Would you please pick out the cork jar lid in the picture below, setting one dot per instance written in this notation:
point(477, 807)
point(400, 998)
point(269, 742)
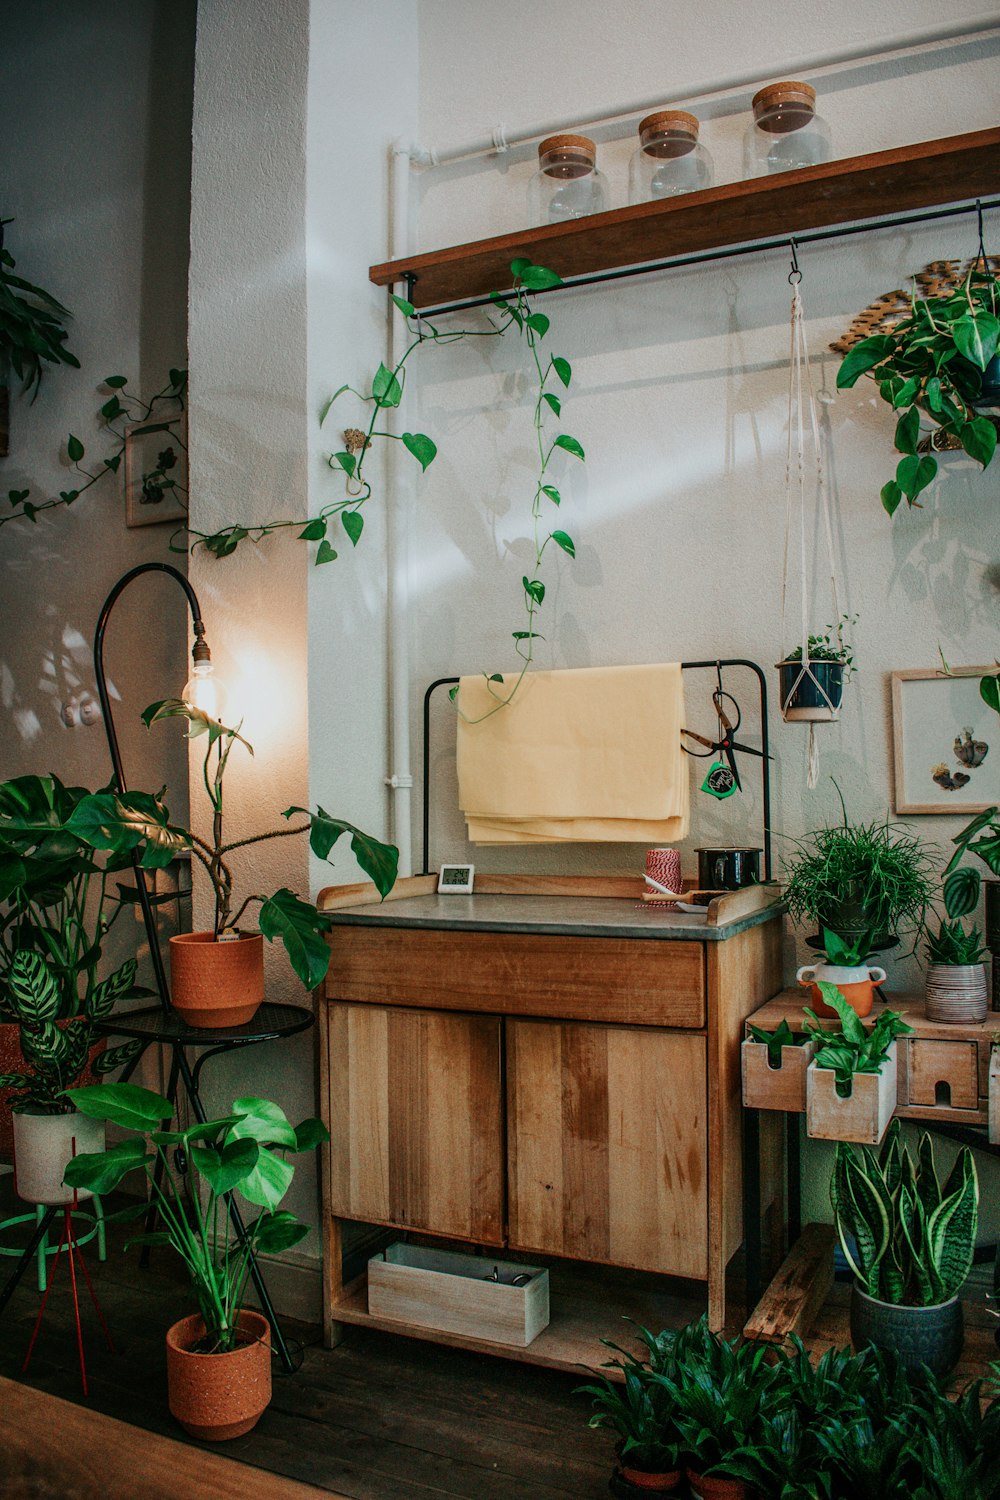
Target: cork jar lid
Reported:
point(668, 133)
point(788, 106)
point(575, 144)
point(567, 156)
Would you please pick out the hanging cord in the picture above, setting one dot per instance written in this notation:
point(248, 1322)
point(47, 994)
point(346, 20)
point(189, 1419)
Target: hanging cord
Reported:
point(799, 392)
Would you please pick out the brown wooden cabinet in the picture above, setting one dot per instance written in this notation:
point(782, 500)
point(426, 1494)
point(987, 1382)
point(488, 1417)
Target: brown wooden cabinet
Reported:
point(553, 1069)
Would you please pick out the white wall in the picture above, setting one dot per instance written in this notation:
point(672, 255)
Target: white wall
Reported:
point(95, 115)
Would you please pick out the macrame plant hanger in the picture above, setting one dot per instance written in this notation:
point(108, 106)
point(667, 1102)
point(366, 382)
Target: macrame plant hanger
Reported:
point(821, 705)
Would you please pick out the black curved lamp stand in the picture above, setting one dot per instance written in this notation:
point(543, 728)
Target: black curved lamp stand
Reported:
point(148, 917)
point(180, 1067)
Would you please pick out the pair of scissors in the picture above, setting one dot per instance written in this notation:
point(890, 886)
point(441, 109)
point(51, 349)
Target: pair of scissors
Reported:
point(726, 743)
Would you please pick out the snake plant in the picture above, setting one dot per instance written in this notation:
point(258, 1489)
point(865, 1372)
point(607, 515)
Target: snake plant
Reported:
point(908, 1239)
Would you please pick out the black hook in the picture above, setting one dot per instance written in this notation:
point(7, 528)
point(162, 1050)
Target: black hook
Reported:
point(794, 275)
point(981, 256)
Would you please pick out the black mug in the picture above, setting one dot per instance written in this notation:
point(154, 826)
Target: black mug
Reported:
point(728, 869)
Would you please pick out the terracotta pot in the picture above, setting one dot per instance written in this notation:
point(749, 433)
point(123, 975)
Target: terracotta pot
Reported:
point(216, 1397)
point(11, 1061)
point(216, 984)
point(717, 1487)
point(43, 1144)
point(651, 1484)
point(857, 985)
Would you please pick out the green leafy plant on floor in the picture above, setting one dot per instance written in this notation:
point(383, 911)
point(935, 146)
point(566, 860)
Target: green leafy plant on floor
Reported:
point(246, 1149)
point(299, 925)
point(855, 1048)
point(933, 363)
point(32, 331)
point(120, 410)
point(908, 1239)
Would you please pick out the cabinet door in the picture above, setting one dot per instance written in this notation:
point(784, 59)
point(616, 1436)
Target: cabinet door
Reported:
point(415, 1120)
point(607, 1143)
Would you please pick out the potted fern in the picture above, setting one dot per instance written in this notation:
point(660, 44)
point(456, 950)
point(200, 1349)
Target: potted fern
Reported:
point(910, 1242)
point(218, 1360)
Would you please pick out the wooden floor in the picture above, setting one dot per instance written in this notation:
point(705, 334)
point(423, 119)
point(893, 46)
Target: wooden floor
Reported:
point(379, 1418)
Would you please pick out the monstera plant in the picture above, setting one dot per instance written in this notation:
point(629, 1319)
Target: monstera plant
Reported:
point(939, 362)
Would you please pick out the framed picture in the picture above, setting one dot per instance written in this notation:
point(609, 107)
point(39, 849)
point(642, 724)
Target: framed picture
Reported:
point(946, 742)
point(156, 471)
point(456, 880)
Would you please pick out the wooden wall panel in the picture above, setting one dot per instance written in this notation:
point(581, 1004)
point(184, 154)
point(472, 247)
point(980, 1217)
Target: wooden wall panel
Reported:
point(607, 1145)
point(415, 1120)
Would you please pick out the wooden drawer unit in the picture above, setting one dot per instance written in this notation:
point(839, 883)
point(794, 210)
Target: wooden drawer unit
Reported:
point(549, 1067)
point(944, 1074)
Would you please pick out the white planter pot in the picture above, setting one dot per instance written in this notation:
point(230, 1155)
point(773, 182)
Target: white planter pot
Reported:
point(863, 1116)
point(956, 994)
point(43, 1144)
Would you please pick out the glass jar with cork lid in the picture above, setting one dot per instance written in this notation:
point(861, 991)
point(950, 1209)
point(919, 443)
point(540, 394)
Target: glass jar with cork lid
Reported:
point(567, 184)
point(787, 133)
point(670, 158)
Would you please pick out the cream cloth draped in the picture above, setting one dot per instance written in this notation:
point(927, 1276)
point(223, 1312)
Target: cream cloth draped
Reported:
point(591, 755)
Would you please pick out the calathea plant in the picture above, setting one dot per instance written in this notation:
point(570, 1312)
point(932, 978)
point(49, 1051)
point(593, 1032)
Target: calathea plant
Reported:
point(932, 363)
point(908, 1239)
point(58, 902)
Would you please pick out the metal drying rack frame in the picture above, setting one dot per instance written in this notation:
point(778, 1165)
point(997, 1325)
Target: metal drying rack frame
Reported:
point(716, 664)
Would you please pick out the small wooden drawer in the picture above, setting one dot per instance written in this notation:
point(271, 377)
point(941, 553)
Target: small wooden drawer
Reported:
point(863, 1116)
point(453, 1292)
point(945, 1074)
point(784, 1087)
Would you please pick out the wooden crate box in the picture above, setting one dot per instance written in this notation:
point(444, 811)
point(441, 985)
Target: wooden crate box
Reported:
point(863, 1116)
point(455, 1293)
point(783, 1087)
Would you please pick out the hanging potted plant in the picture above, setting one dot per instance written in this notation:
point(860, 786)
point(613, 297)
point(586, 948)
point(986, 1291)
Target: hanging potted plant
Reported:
point(910, 1243)
point(940, 362)
point(812, 683)
point(218, 1360)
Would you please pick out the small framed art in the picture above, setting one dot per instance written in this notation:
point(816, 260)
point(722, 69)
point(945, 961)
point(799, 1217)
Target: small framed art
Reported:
point(156, 471)
point(456, 880)
point(946, 742)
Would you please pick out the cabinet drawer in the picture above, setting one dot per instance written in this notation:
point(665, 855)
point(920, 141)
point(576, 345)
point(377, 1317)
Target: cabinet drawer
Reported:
point(639, 983)
point(607, 1132)
point(416, 1130)
point(940, 1073)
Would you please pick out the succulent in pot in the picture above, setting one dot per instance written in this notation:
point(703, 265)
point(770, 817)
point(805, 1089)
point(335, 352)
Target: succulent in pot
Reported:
point(847, 970)
point(224, 1352)
point(910, 1241)
point(956, 988)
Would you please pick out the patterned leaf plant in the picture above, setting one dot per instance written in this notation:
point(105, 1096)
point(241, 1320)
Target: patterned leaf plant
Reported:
point(908, 1239)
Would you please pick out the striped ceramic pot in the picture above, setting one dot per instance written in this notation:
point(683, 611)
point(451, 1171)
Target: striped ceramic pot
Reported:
point(956, 994)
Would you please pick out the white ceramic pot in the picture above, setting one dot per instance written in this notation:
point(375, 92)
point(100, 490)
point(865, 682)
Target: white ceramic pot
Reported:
point(956, 994)
point(43, 1144)
point(857, 985)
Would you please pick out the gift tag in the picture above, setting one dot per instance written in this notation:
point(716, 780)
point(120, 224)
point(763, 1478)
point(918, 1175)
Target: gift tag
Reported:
point(720, 781)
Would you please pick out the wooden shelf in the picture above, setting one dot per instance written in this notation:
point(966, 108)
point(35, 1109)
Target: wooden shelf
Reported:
point(587, 1305)
point(926, 175)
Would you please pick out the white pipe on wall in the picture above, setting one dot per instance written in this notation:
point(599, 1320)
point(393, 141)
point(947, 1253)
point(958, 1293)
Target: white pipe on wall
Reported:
point(499, 139)
point(399, 489)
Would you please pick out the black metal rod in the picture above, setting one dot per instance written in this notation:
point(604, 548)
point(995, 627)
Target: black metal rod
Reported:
point(672, 263)
point(26, 1256)
point(752, 1213)
point(686, 666)
point(149, 921)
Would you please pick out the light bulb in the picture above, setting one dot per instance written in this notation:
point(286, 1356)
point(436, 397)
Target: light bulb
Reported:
point(203, 690)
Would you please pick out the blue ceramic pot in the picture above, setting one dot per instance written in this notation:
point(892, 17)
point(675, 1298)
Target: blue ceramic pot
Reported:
point(811, 701)
point(917, 1335)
